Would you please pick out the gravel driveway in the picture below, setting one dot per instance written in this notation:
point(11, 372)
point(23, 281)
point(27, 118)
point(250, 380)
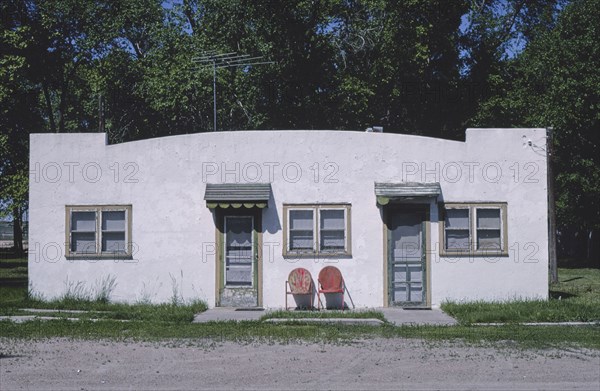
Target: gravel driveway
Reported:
point(376, 364)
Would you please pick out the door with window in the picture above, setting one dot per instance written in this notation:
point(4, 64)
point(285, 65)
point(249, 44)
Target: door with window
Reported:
point(238, 263)
point(406, 258)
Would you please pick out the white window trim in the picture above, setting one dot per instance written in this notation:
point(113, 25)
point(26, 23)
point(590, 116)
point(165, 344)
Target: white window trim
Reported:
point(316, 209)
point(473, 250)
point(98, 210)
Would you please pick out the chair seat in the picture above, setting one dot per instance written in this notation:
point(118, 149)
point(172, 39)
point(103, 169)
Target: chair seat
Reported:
point(333, 290)
point(331, 281)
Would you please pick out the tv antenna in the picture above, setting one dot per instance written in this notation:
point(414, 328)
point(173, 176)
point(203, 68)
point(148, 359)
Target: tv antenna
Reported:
point(216, 60)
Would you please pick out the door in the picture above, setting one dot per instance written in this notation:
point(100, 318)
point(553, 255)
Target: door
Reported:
point(239, 254)
point(238, 279)
point(406, 257)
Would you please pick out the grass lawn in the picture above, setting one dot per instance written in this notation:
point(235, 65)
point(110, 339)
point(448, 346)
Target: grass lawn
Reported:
point(13, 271)
point(13, 299)
point(578, 291)
point(576, 297)
point(13, 262)
point(256, 331)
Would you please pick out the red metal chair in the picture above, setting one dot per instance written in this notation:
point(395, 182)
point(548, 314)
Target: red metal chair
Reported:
point(299, 282)
point(331, 281)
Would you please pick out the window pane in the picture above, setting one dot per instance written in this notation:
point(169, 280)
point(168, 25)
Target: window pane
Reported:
point(457, 239)
point(415, 273)
point(113, 242)
point(399, 293)
point(416, 292)
point(301, 219)
point(400, 273)
point(239, 276)
point(83, 221)
point(239, 255)
point(113, 221)
point(488, 239)
point(83, 242)
point(301, 230)
point(238, 240)
point(332, 219)
point(457, 218)
point(407, 240)
point(488, 218)
point(239, 232)
point(332, 241)
point(301, 240)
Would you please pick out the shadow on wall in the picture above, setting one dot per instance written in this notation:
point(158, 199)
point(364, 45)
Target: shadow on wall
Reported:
point(271, 222)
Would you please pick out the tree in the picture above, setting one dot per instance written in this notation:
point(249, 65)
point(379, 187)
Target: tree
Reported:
point(427, 67)
point(19, 115)
point(495, 34)
point(556, 82)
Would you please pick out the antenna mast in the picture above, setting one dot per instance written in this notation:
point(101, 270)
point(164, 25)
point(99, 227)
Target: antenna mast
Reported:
point(217, 60)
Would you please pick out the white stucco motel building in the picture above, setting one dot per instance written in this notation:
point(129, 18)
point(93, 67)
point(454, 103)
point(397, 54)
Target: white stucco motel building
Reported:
point(224, 217)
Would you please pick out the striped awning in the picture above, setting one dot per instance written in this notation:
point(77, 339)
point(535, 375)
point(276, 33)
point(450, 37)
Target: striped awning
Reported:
point(237, 195)
point(386, 192)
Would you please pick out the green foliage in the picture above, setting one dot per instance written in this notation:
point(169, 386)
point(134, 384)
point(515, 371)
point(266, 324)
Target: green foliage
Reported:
point(17, 273)
point(14, 299)
point(249, 332)
point(427, 67)
point(167, 321)
point(575, 298)
point(556, 82)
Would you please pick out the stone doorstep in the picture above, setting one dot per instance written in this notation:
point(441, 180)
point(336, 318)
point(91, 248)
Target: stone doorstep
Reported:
point(346, 321)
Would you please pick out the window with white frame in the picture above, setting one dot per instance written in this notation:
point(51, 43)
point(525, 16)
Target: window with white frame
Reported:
point(469, 228)
point(98, 230)
point(317, 229)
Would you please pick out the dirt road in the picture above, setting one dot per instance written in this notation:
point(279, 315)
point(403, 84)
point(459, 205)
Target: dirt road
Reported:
point(377, 364)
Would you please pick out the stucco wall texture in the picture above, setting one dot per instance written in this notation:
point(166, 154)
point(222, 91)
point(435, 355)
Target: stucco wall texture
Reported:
point(173, 231)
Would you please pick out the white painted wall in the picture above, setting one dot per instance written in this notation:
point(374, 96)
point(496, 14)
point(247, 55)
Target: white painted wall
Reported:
point(164, 179)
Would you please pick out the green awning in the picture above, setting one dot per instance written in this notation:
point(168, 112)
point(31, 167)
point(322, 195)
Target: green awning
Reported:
point(386, 192)
point(237, 195)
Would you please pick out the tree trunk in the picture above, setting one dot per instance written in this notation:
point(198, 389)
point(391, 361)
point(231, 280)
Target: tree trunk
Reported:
point(49, 107)
point(552, 261)
point(18, 232)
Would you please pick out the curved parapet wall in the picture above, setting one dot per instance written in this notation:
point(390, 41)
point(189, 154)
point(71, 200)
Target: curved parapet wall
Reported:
point(173, 235)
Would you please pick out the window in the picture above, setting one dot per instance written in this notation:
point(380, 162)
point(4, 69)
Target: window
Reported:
point(474, 229)
point(319, 229)
point(101, 231)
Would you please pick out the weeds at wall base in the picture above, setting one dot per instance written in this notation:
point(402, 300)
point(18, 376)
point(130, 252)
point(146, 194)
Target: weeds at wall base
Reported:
point(578, 290)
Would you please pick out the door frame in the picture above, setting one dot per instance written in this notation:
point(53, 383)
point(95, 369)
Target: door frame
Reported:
point(257, 242)
point(388, 210)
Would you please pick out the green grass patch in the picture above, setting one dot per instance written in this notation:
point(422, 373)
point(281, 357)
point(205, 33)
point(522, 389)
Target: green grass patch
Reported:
point(13, 262)
point(578, 293)
point(576, 298)
point(13, 272)
point(256, 331)
point(12, 299)
point(370, 314)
